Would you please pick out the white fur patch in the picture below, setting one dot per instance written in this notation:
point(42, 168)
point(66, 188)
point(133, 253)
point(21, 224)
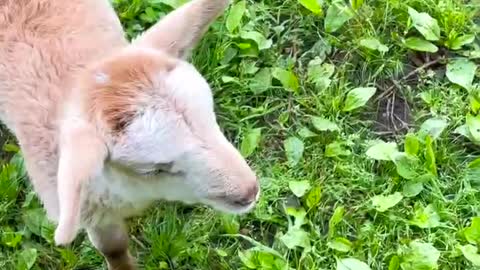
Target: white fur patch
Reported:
point(101, 77)
point(192, 92)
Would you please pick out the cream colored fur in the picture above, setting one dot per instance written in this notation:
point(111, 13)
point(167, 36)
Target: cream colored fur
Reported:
point(107, 127)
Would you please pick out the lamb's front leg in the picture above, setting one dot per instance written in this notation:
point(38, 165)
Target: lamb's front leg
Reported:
point(112, 241)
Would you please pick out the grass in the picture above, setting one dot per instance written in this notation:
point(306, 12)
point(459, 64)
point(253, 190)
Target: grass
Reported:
point(361, 122)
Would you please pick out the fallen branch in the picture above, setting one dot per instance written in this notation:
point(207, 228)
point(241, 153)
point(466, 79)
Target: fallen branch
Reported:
point(397, 83)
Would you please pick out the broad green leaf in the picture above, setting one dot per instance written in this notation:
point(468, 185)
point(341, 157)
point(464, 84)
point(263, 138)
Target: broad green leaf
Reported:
point(261, 41)
point(425, 217)
point(36, 221)
point(312, 5)
point(351, 264)
point(248, 67)
point(474, 99)
point(356, 4)
point(250, 142)
point(373, 44)
point(283, 117)
point(229, 79)
point(70, 257)
point(18, 163)
point(433, 127)
point(407, 166)
point(412, 189)
point(247, 259)
point(358, 97)
point(471, 253)
point(235, 15)
point(9, 188)
point(323, 124)
point(256, 257)
point(427, 97)
point(262, 81)
point(420, 255)
point(150, 15)
point(294, 148)
point(321, 49)
point(425, 24)
point(296, 237)
point(314, 196)
point(259, 246)
point(335, 219)
point(461, 71)
point(230, 223)
point(26, 259)
point(382, 203)
point(383, 151)
point(336, 149)
point(474, 164)
point(11, 148)
point(472, 233)
point(246, 47)
point(11, 238)
point(461, 41)
point(473, 127)
point(421, 45)
point(265, 258)
point(412, 145)
point(299, 188)
point(287, 78)
point(320, 74)
point(394, 263)
point(247, 50)
point(228, 55)
point(306, 133)
point(337, 15)
point(430, 160)
point(221, 252)
point(472, 54)
point(340, 244)
point(298, 214)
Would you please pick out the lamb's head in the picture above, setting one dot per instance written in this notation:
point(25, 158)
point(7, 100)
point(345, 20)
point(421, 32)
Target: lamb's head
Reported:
point(146, 113)
point(158, 114)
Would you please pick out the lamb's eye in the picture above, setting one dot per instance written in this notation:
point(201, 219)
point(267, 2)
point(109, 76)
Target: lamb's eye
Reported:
point(156, 172)
point(159, 169)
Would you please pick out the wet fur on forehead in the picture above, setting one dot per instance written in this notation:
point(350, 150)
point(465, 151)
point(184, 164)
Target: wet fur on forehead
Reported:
point(121, 87)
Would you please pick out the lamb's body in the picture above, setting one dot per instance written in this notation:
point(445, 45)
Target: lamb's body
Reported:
point(42, 45)
point(107, 127)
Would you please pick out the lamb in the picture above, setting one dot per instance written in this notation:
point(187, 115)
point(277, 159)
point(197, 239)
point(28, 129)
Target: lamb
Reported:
point(109, 127)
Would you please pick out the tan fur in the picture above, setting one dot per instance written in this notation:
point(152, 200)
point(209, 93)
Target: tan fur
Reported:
point(117, 100)
point(43, 43)
point(90, 111)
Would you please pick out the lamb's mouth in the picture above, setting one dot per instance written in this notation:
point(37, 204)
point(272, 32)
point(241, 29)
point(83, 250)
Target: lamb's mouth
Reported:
point(226, 205)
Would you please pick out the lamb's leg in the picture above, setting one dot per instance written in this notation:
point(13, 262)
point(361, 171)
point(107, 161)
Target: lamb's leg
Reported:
point(112, 241)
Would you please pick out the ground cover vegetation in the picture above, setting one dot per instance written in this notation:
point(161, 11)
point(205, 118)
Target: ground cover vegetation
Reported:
point(361, 118)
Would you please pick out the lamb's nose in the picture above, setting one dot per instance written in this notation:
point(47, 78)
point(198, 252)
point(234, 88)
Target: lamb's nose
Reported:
point(249, 196)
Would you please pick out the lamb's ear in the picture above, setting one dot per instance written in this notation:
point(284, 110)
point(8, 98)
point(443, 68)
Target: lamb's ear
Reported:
point(82, 155)
point(178, 32)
